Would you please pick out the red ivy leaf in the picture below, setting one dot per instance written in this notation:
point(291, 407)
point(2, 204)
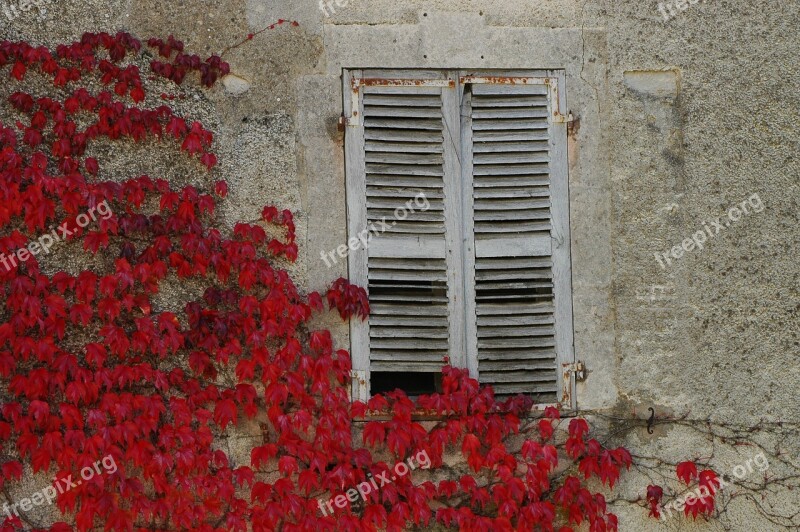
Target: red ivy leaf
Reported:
point(225, 412)
point(686, 471)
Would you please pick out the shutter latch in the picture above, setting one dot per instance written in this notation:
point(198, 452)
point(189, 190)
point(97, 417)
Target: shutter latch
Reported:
point(577, 368)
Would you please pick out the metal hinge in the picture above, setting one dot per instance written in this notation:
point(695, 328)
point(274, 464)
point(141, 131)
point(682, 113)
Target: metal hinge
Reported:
point(359, 383)
point(578, 369)
point(559, 118)
point(345, 121)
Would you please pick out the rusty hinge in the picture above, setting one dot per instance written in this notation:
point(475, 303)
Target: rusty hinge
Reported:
point(345, 121)
point(359, 385)
point(559, 118)
point(577, 368)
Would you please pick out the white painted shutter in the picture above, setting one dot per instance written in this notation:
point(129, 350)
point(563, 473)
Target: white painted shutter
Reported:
point(399, 146)
point(518, 270)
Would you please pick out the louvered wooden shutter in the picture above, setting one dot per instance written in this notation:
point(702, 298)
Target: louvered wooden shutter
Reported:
point(518, 272)
point(481, 279)
point(400, 146)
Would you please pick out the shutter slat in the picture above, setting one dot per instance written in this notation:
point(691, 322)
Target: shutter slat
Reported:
point(402, 123)
point(413, 170)
point(494, 275)
point(507, 320)
point(400, 298)
point(405, 181)
point(400, 268)
point(511, 169)
point(511, 192)
point(401, 135)
point(387, 214)
point(528, 329)
point(407, 100)
point(504, 101)
point(396, 331)
point(412, 228)
point(406, 193)
point(392, 203)
point(408, 365)
point(510, 204)
point(497, 344)
point(511, 263)
point(500, 147)
point(413, 321)
point(499, 368)
point(532, 355)
point(521, 371)
point(507, 91)
point(479, 136)
point(516, 113)
point(545, 392)
point(490, 309)
point(392, 158)
point(508, 216)
point(509, 158)
point(403, 147)
point(507, 125)
point(384, 309)
point(511, 181)
point(391, 358)
point(426, 344)
point(402, 111)
point(520, 226)
point(509, 285)
point(530, 374)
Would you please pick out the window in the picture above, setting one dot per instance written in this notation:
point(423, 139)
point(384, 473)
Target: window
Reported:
point(457, 181)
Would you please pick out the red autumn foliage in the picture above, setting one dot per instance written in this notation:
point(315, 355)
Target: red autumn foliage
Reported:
point(90, 368)
point(701, 501)
point(686, 471)
point(654, 495)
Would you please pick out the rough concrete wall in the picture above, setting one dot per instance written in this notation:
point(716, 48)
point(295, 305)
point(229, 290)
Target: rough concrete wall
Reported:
point(679, 121)
point(714, 335)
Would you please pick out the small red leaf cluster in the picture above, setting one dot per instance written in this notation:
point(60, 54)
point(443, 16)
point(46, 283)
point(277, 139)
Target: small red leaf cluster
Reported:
point(175, 68)
point(654, 496)
point(348, 299)
point(90, 367)
point(703, 504)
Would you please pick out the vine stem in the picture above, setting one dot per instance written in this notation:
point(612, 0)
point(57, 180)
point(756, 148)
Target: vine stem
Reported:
point(250, 36)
